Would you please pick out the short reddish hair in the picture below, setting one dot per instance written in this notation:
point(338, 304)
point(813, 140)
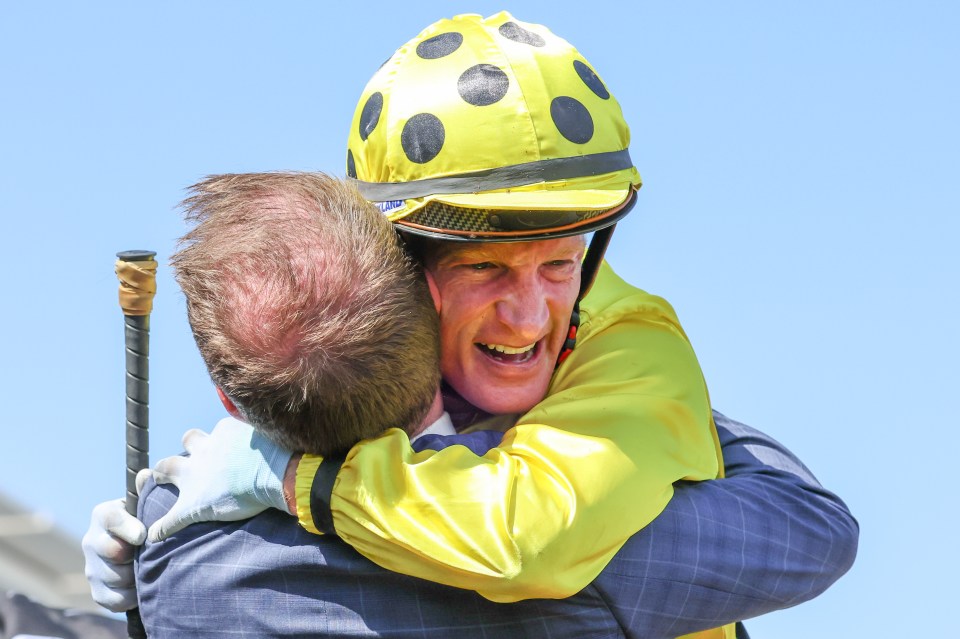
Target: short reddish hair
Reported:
point(306, 309)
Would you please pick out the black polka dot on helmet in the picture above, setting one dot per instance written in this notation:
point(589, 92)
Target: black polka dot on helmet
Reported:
point(515, 32)
point(370, 115)
point(439, 46)
point(422, 137)
point(483, 84)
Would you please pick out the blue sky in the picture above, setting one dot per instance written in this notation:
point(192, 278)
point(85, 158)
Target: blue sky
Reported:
point(800, 210)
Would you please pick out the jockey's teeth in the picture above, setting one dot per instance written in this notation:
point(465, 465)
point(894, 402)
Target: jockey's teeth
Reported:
point(509, 350)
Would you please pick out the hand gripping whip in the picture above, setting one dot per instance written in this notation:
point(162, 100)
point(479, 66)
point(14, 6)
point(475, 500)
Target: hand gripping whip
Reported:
point(137, 272)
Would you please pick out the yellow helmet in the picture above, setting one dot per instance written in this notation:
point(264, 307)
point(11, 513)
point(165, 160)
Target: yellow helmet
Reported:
point(491, 129)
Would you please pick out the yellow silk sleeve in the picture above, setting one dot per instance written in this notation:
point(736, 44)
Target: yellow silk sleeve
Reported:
point(626, 416)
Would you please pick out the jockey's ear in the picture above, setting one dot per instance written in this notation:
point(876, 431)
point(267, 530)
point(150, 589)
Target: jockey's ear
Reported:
point(229, 405)
point(434, 289)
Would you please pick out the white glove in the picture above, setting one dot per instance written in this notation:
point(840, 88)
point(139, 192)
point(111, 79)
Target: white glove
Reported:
point(108, 548)
point(231, 474)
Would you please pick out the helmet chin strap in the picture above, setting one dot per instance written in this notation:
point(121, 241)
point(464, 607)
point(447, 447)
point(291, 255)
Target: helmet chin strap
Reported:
point(588, 273)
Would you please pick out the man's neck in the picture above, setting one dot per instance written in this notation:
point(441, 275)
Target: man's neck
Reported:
point(435, 413)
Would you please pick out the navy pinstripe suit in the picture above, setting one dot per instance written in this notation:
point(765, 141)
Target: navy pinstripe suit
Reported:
point(767, 537)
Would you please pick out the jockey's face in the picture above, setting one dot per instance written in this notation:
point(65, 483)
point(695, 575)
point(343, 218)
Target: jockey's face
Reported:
point(504, 315)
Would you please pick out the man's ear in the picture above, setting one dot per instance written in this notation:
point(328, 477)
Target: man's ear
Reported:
point(434, 289)
point(229, 405)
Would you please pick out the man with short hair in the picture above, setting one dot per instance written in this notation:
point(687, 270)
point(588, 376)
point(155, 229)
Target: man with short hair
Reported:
point(312, 320)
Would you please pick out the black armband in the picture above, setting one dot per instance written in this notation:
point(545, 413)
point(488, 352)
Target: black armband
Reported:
point(321, 491)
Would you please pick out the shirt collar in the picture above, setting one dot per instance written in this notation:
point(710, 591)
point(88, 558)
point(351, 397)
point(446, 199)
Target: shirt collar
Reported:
point(443, 426)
